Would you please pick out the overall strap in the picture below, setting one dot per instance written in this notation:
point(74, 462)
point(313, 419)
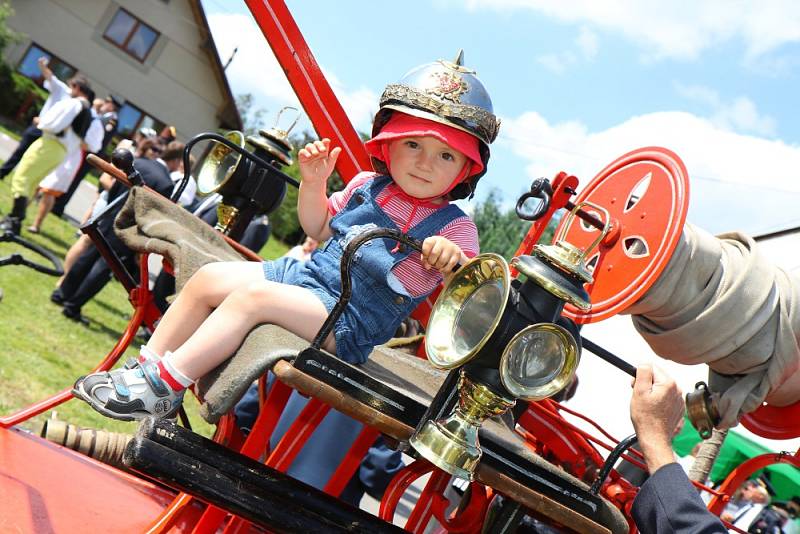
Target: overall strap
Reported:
point(378, 184)
point(437, 220)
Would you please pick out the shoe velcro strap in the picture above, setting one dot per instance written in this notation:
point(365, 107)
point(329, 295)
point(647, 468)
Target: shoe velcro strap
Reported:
point(153, 379)
point(120, 387)
point(131, 363)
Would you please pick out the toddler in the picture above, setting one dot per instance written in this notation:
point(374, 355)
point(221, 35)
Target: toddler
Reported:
point(429, 145)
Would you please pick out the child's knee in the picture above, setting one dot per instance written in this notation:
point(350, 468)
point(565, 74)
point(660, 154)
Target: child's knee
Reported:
point(207, 274)
point(253, 296)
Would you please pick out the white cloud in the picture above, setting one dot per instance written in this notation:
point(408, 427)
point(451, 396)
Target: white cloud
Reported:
point(255, 70)
point(677, 29)
point(587, 43)
point(558, 63)
point(739, 114)
point(737, 181)
point(709, 152)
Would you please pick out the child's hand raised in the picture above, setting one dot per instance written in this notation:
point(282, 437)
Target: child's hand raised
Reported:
point(316, 161)
point(441, 254)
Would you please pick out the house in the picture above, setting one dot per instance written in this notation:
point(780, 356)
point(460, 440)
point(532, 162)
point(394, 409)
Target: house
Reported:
point(156, 55)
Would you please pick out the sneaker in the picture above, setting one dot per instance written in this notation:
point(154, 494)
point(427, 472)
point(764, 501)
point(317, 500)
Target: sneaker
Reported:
point(129, 394)
point(56, 297)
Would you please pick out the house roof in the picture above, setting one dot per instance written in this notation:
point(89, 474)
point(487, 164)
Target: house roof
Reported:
point(228, 114)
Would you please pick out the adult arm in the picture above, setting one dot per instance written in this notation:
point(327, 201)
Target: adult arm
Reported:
point(94, 136)
point(667, 501)
point(58, 89)
point(60, 115)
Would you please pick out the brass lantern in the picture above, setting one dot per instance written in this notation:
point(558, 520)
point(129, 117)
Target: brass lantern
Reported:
point(248, 189)
point(501, 337)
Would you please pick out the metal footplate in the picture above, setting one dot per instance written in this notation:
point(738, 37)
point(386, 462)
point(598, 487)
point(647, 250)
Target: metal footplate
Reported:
point(191, 463)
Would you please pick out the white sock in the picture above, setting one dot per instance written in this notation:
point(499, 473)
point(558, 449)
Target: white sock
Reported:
point(178, 376)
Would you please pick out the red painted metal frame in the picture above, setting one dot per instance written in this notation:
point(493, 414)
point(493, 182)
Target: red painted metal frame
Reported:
point(741, 473)
point(144, 310)
point(310, 85)
point(562, 185)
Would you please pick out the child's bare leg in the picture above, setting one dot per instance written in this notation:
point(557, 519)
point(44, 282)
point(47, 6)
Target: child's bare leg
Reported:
point(45, 205)
point(204, 291)
point(291, 307)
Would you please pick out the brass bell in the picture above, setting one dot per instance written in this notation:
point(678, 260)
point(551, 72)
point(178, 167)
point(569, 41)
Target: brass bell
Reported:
point(451, 444)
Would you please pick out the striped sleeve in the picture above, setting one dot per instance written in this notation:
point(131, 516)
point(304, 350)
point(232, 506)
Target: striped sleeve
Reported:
point(463, 232)
point(419, 281)
point(339, 199)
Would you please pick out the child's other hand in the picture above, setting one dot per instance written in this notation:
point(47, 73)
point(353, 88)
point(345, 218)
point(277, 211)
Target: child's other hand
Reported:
point(441, 254)
point(317, 161)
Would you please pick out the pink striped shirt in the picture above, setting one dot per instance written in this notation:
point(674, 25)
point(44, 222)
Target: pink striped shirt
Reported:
point(410, 272)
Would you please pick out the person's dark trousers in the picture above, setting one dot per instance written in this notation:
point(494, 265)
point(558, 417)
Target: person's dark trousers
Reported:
point(87, 277)
point(31, 134)
point(61, 202)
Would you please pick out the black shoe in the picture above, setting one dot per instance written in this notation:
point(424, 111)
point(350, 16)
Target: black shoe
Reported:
point(56, 297)
point(74, 315)
point(10, 225)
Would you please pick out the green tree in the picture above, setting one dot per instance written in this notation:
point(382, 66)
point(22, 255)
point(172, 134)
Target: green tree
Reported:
point(502, 231)
point(7, 35)
point(252, 116)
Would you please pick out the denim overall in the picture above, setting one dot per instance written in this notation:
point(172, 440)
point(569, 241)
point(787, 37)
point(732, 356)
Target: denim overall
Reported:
point(378, 304)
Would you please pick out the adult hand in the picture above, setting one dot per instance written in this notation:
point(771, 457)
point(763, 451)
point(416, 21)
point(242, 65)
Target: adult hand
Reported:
point(44, 67)
point(317, 161)
point(656, 408)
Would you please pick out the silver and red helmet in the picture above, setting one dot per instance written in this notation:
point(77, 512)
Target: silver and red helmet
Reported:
point(445, 92)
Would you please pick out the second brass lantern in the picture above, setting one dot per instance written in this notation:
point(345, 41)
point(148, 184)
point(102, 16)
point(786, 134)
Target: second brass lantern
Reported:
point(501, 337)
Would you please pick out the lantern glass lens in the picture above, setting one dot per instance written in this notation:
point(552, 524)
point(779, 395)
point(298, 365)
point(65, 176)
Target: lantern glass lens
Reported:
point(477, 315)
point(539, 361)
point(467, 311)
point(219, 165)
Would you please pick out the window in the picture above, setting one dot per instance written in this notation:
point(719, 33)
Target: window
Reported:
point(131, 118)
point(131, 34)
point(29, 67)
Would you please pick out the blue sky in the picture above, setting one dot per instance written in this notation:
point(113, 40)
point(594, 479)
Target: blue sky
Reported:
point(577, 84)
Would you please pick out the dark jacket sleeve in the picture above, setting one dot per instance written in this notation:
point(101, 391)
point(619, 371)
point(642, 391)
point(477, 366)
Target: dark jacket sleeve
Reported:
point(668, 503)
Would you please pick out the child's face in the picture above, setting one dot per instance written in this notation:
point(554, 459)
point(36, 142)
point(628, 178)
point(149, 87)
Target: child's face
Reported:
point(424, 167)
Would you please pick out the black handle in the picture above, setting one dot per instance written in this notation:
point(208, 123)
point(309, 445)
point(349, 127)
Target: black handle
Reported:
point(540, 189)
point(122, 158)
point(347, 286)
point(608, 356)
point(221, 139)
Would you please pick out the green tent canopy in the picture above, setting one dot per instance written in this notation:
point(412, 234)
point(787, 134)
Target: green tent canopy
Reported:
point(784, 478)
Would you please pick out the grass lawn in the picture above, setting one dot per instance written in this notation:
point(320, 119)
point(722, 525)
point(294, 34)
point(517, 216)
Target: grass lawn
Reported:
point(42, 352)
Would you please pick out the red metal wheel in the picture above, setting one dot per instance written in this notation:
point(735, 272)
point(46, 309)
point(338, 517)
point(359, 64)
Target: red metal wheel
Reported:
point(774, 422)
point(646, 193)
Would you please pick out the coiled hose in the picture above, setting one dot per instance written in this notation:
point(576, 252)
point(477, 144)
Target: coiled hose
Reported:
point(102, 445)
